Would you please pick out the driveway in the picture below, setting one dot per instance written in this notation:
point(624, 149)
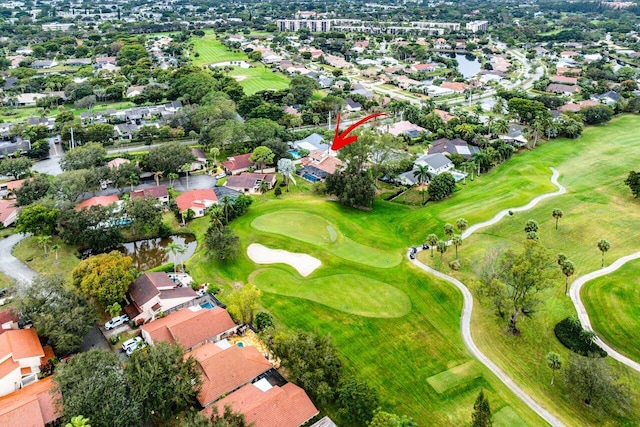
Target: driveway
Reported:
point(51, 165)
point(94, 341)
point(10, 265)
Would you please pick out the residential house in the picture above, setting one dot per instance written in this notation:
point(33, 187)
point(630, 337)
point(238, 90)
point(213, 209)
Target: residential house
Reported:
point(125, 130)
point(8, 212)
point(353, 105)
point(33, 406)
point(7, 189)
point(515, 136)
point(568, 54)
point(436, 163)
point(455, 86)
point(21, 356)
point(44, 64)
point(154, 293)
point(268, 405)
point(225, 368)
point(564, 80)
point(117, 162)
point(610, 98)
point(190, 327)
point(237, 163)
point(428, 68)
point(77, 62)
point(196, 200)
point(26, 99)
point(249, 183)
point(9, 82)
point(437, 91)
point(575, 107)
point(318, 164)
point(405, 82)
point(444, 115)
point(453, 146)
point(133, 91)
point(201, 159)
point(98, 201)
point(404, 127)
point(566, 90)
point(105, 61)
point(160, 193)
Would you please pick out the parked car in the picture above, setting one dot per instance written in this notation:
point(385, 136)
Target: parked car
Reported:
point(425, 246)
point(116, 321)
point(220, 175)
point(133, 342)
point(133, 348)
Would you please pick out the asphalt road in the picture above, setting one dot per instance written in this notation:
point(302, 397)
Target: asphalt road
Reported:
point(10, 265)
point(467, 307)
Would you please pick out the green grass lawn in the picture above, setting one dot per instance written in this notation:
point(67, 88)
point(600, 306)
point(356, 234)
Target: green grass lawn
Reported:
point(211, 50)
point(613, 303)
point(597, 205)
point(259, 78)
point(29, 252)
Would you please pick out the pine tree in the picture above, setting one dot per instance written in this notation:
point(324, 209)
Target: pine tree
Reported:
point(481, 412)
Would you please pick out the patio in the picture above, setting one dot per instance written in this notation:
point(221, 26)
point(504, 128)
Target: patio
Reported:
point(250, 338)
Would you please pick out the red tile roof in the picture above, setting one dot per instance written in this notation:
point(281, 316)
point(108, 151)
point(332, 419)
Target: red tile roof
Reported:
point(12, 185)
point(97, 200)
point(189, 328)
point(223, 371)
point(21, 343)
point(195, 198)
point(117, 162)
point(456, 86)
point(322, 161)
point(156, 192)
point(286, 406)
point(32, 406)
point(238, 162)
point(7, 208)
point(578, 106)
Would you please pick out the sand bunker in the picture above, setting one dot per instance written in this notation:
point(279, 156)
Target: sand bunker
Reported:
point(305, 264)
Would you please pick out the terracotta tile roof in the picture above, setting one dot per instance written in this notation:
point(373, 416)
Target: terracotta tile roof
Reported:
point(286, 406)
point(7, 208)
point(117, 162)
point(189, 328)
point(156, 192)
point(322, 161)
point(577, 106)
point(32, 406)
point(97, 200)
point(456, 86)
point(560, 88)
point(12, 185)
point(564, 79)
point(445, 116)
point(196, 198)
point(225, 370)
point(21, 343)
point(238, 162)
point(8, 366)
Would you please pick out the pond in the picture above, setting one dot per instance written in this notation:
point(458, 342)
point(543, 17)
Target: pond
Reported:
point(468, 65)
point(150, 253)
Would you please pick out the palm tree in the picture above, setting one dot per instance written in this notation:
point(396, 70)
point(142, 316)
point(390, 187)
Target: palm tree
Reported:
point(432, 239)
point(604, 246)
point(55, 248)
point(263, 187)
point(79, 421)
point(133, 180)
point(422, 175)
point(172, 177)
point(287, 168)
point(175, 248)
point(567, 269)
point(557, 214)
point(214, 151)
point(536, 128)
point(490, 123)
point(457, 241)
point(186, 168)
point(157, 175)
point(448, 230)
point(227, 206)
point(442, 247)
point(554, 363)
point(461, 225)
point(44, 241)
point(502, 127)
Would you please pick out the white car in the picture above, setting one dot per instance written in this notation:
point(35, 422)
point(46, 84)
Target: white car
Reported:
point(116, 321)
point(221, 175)
point(133, 342)
point(135, 347)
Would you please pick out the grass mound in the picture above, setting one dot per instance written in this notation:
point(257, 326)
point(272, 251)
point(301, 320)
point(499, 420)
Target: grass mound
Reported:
point(576, 339)
point(350, 293)
point(455, 376)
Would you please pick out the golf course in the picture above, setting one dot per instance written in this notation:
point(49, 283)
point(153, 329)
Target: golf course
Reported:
point(399, 328)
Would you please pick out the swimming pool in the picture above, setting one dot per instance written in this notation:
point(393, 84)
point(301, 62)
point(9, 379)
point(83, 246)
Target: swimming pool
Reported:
point(310, 177)
point(295, 154)
point(240, 344)
point(207, 305)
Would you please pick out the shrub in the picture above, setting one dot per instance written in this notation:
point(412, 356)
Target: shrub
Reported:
point(570, 333)
point(164, 268)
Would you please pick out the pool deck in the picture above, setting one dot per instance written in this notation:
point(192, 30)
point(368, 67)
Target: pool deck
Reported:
point(250, 338)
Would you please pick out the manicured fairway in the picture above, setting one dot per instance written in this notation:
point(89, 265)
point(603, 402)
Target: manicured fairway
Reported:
point(211, 50)
point(350, 293)
point(259, 78)
point(613, 303)
point(315, 230)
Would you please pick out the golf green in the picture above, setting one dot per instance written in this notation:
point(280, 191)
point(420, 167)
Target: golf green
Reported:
point(317, 231)
point(350, 293)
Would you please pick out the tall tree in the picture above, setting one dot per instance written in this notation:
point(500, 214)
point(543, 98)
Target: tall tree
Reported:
point(84, 157)
point(441, 186)
point(104, 277)
point(168, 158)
point(287, 168)
point(97, 376)
point(432, 240)
point(422, 174)
point(604, 246)
point(449, 230)
point(481, 416)
point(557, 214)
point(567, 269)
point(531, 226)
point(357, 401)
point(175, 249)
point(145, 214)
point(456, 241)
point(16, 167)
point(61, 317)
point(461, 225)
point(554, 363)
point(442, 247)
point(163, 381)
point(633, 182)
point(32, 190)
point(262, 156)
point(244, 302)
point(221, 242)
point(38, 218)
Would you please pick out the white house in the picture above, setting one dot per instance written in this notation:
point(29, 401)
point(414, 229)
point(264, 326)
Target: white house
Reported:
point(21, 356)
point(436, 163)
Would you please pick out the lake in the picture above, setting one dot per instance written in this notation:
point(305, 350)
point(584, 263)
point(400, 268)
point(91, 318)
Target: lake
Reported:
point(468, 65)
point(150, 253)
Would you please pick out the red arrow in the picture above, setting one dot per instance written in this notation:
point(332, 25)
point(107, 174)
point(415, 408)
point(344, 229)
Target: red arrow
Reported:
point(342, 139)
